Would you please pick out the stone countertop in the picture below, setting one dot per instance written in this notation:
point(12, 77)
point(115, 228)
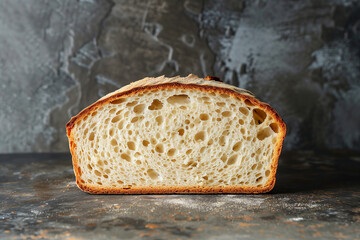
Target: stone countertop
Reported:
point(317, 195)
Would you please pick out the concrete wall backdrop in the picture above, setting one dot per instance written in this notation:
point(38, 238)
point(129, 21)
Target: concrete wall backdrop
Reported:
point(56, 57)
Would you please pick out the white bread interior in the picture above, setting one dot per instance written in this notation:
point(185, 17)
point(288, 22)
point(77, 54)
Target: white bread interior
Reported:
point(176, 138)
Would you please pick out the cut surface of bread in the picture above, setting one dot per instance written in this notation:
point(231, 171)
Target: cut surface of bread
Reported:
point(176, 135)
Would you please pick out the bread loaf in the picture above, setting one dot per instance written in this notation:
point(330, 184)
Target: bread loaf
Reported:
point(176, 135)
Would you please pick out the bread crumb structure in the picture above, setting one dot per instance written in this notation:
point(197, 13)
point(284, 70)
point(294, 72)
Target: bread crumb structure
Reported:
point(176, 138)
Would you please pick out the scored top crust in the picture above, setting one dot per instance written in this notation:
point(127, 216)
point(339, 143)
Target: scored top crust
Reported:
point(189, 83)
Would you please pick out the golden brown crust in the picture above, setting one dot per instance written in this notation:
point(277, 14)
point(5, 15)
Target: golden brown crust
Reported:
point(165, 190)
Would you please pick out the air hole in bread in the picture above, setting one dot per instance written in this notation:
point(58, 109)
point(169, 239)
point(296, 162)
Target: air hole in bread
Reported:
point(111, 132)
point(91, 137)
point(221, 104)
point(118, 101)
point(139, 108)
point(181, 99)
point(241, 122)
point(159, 148)
point(204, 117)
point(156, 105)
point(171, 152)
point(226, 114)
point(259, 116)
point(153, 141)
point(181, 131)
point(152, 174)
point(267, 173)
point(264, 133)
point(97, 173)
point(131, 145)
point(188, 151)
point(253, 166)
point(89, 167)
point(159, 120)
point(115, 119)
point(100, 163)
point(237, 146)
point(130, 104)
point(190, 164)
point(205, 98)
point(244, 111)
point(135, 119)
point(120, 124)
point(232, 160)
point(200, 136)
point(248, 102)
point(222, 140)
point(274, 127)
point(126, 157)
point(145, 143)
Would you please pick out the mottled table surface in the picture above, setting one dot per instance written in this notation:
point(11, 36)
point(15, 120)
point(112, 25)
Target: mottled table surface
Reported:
point(317, 195)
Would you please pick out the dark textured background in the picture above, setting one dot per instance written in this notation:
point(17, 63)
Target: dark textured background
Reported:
point(302, 57)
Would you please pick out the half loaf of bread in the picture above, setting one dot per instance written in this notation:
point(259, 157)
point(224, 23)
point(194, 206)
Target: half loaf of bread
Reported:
point(176, 135)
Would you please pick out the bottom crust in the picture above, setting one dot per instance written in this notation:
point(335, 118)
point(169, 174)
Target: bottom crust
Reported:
point(176, 190)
